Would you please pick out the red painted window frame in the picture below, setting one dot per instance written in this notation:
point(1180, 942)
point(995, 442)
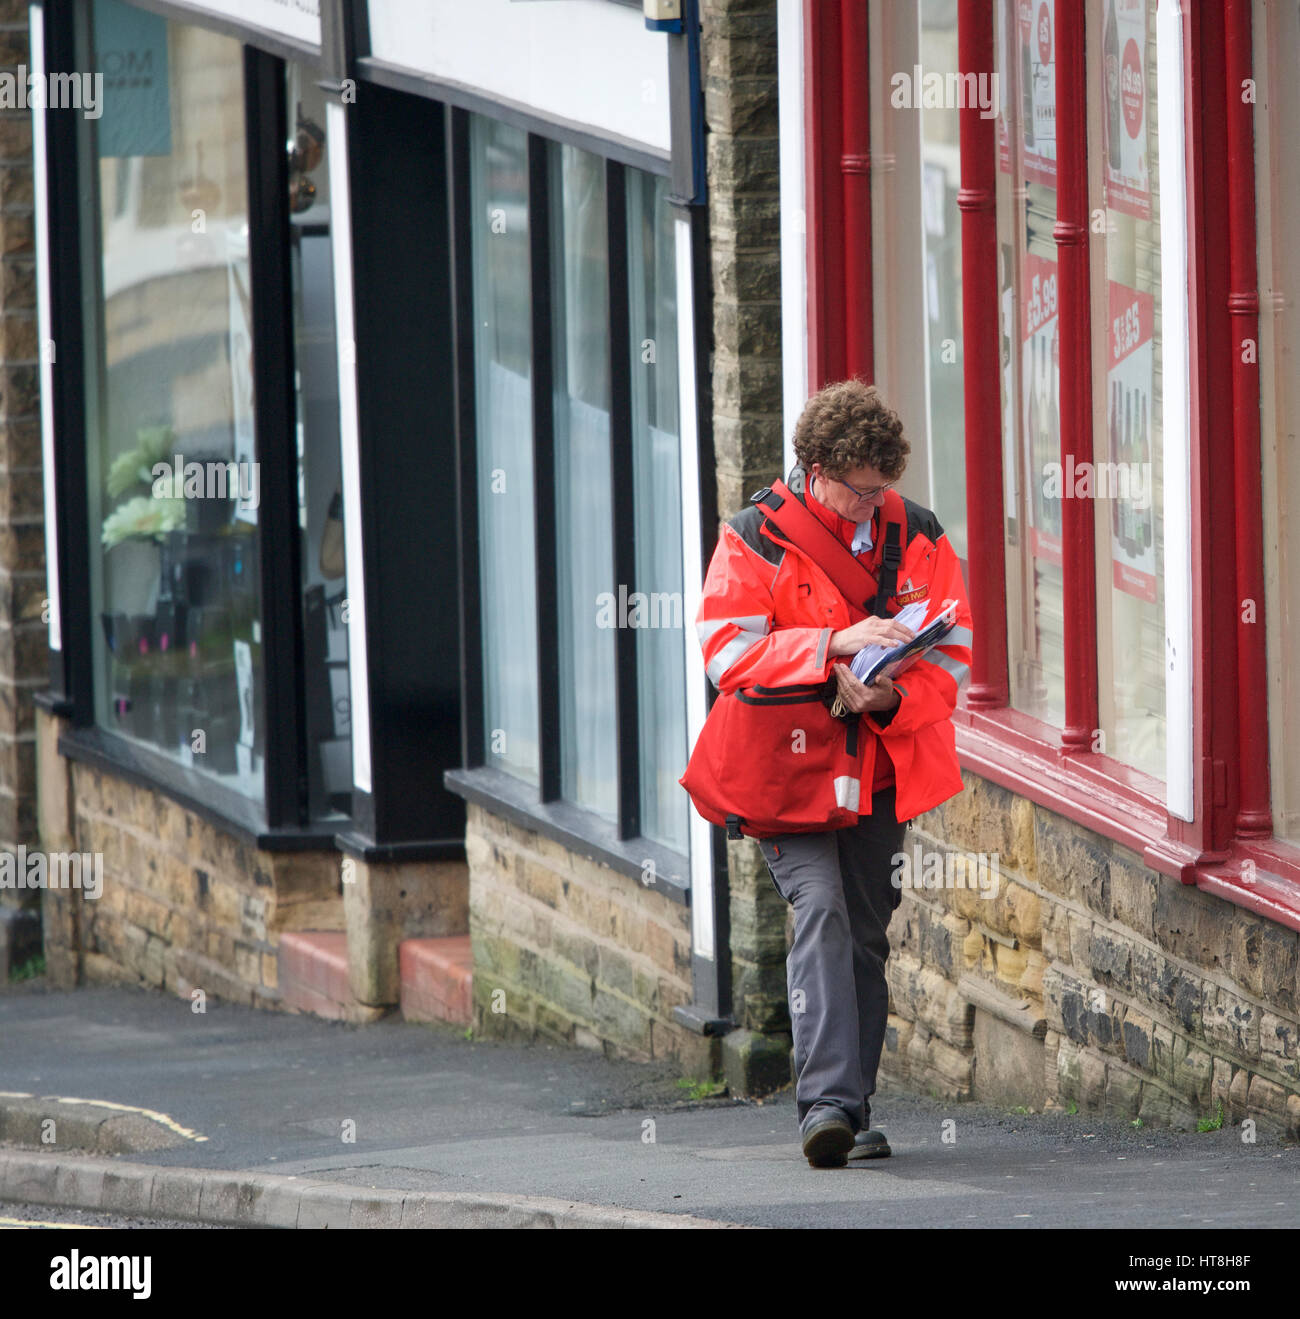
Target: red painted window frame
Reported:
point(1056, 768)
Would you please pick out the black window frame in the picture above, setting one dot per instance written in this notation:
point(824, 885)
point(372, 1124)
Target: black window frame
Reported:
point(619, 844)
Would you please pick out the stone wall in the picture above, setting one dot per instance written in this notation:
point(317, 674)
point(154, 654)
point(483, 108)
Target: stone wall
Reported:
point(568, 949)
point(739, 49)
point(387, 902)
point(184, 905)
point(24, 658)
point(1088, 979)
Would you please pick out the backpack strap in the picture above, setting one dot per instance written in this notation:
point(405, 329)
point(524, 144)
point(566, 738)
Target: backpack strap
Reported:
point(891, 561)
point(853, 581)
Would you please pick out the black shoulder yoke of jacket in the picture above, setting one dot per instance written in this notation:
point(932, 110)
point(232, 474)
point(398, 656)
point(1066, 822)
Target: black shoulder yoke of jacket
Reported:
point(747, 522)
point(922, 520)
point(746, 525)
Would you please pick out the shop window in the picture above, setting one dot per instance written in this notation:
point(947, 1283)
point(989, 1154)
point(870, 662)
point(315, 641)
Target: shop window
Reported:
point(1277, 182)
point(656, 447)
point(940, 232)
point(1027, 271)
point(608, 265)
point(1128, 432)
point(172, 452)
point(320, 492)
point(916, 238)
point(503, 400)
point(583, 479)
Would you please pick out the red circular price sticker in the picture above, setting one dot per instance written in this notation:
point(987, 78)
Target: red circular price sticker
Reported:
point(1130, 86)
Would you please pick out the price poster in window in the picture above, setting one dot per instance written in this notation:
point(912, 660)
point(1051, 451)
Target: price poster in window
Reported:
point(1034, 49)
point(244, 685)
point(1124, 107)
point(1040, 406)
point(1010, 467)
point(241, 369)
point(1128, 478)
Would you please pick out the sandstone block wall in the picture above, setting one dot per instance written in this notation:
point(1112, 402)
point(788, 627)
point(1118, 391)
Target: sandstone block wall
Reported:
point(24, 657)
point(565, 948)
point(739, 51)
point(184, 905)
point(1089, 978)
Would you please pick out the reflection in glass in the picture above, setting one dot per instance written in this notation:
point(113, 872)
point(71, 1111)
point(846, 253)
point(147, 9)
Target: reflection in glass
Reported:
point(583, 481)
point(941, 288)
point(320, 494)
point(1030, 356)
point(1129, 435)
point(174, 481)
point(656, 445)
point(504, 418)
point(1277, 182)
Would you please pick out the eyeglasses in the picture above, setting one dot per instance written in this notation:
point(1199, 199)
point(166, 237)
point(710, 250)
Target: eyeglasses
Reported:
point(868, 494)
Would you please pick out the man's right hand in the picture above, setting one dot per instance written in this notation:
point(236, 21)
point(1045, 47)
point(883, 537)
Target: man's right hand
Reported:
point(869, 632)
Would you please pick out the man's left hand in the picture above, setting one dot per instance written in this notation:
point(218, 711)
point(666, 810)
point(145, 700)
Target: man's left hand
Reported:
point(861, 698)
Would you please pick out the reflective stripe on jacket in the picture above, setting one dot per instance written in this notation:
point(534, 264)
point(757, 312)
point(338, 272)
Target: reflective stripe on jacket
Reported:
point(766, 619)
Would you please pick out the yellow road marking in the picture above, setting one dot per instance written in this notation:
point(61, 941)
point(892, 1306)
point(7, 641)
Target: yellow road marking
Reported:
point(36, 1222)
point(152, 1114)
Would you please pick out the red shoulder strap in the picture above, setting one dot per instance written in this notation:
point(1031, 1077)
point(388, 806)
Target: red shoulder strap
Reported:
point(852, 580)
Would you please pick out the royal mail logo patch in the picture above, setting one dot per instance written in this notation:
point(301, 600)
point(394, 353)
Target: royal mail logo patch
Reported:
point(917, 593)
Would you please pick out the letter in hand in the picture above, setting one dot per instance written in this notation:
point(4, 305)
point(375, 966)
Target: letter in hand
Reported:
point(873, 631)
point(861, 698)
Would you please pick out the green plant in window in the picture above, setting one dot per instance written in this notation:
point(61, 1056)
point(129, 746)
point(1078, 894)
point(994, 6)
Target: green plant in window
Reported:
point(142, 516)
point(145, 513)
point(154, 444)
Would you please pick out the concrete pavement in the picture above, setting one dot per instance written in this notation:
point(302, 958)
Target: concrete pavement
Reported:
point(235, 1113)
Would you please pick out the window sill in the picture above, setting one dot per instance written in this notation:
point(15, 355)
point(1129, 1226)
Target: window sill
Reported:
point(1025, 756)
point(52, 703)
point(578, 830)
point(361, 848)
point(1021, 753)
point(219, 806)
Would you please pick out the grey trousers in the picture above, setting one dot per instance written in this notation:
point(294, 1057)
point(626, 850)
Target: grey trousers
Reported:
point(839, 885)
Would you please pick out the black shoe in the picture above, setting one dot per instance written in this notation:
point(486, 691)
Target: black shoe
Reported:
point(828, 1140)
point(868, 1144)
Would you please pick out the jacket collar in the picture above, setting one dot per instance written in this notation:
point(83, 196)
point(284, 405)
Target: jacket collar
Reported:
point(841, 527)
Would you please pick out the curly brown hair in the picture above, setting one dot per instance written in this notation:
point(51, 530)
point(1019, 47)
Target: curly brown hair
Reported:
point(847, 425)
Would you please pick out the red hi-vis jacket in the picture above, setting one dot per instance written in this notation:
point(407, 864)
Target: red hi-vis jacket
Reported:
point(766, 619)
